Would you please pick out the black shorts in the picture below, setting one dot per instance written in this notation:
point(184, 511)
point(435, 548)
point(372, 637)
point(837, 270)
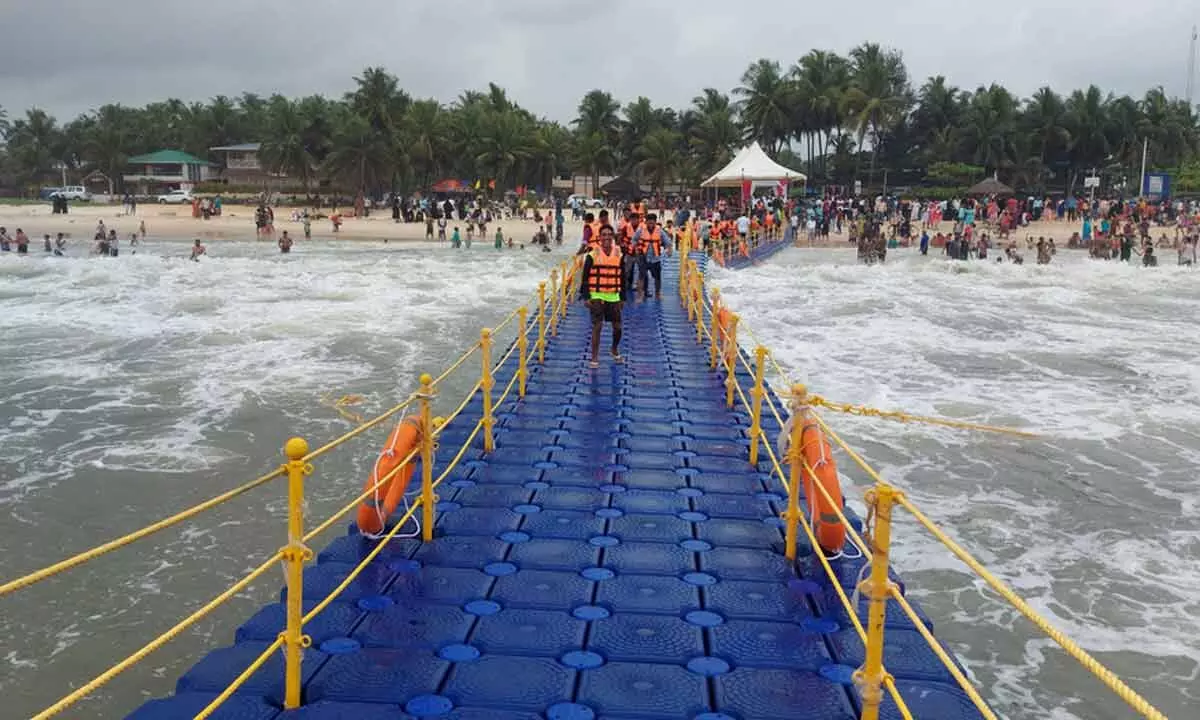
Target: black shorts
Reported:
point(603, 311)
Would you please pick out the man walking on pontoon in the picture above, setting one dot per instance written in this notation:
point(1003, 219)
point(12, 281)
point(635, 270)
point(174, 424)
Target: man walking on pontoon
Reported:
point(601, 289)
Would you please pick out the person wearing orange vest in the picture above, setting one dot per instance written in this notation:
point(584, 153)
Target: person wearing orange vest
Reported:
point(602, 286)
point(650, 241)
point(629, 228)
point(590, 226)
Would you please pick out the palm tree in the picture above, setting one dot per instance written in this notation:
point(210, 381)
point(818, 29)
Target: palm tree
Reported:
point(359, 154)
point(552, 152)
point(821, 78)
point(593, 154)
point(640, 120)
point(505, 146)
point(1087, 123)
point(767, 104)
point(34, 144)
point(426, 136)
point(284, 149)
point(1045, 117)
point(598, 115)
point(991, 127)
point(714, 138)
point(877, 96)
point(711, 100)
point(658, 156)
point(378, 99)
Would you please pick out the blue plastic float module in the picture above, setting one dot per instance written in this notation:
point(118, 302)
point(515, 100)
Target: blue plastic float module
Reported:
point(616, 557)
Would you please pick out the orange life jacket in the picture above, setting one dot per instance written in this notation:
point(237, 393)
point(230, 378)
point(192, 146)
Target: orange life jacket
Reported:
point(650, 242)
point(605, 276)
point(594, 237)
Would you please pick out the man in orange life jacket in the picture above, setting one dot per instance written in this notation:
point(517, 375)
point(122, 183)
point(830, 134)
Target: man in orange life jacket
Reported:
point(601, 289)
point(650, 242)
point(629, 227)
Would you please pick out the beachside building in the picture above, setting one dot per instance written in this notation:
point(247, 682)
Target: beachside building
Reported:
point(240, 164)
point(165, 170)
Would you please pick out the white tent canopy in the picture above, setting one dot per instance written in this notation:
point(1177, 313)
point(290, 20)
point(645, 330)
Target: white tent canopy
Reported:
point(751, 163)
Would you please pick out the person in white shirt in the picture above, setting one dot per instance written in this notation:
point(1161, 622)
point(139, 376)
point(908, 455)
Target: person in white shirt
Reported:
point(743, 226)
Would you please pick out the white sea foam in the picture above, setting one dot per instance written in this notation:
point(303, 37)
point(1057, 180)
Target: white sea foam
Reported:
point(1094, 522)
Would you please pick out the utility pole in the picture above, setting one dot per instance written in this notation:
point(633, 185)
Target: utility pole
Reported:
point(1191, 76)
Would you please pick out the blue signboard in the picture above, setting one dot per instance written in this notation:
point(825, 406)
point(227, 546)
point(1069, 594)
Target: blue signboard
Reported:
point(1156, 185)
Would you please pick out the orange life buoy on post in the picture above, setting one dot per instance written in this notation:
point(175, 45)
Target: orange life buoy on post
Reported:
point(374, 512)
point(818, 455)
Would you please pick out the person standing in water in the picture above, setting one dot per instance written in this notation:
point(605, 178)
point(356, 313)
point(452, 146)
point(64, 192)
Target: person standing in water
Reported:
point(602, 289)
point(60, 245)
point(22, 241)
point(499, 238)
point(455, 239)
point(46, 241)
point(285, 243)
point(198, 250)
point(307, 226)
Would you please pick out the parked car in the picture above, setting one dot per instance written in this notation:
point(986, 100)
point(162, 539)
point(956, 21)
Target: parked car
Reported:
point(72, 192)
point(585, 201)
point(176, 197)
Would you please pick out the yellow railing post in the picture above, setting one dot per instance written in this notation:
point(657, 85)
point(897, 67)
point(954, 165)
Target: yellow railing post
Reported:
point(485, 387)
point(428, 501)
point(716, 328)
point(791, 518)
point(522, 350)
point(541, 318)
point(871, 676)
point(756, 400)
point(295, 554)
point(730, 349)
point(554, 294)
point(562, 287)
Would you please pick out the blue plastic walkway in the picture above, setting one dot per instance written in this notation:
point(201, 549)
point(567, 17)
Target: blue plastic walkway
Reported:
point(615, 558)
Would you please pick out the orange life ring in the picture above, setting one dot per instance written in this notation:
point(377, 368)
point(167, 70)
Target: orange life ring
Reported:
point(374, 511)
point(818, 455)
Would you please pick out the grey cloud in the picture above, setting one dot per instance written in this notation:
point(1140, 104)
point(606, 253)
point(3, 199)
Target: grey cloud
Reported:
point(68, 56)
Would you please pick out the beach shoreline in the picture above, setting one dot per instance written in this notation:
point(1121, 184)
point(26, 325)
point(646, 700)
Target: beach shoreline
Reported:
point(175, 222)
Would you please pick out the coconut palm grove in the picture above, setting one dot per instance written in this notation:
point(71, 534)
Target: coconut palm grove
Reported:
point(842, 119)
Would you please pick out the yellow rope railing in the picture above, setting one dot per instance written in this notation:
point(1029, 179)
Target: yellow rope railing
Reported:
point(92, 554)
point(1106, 676)
point(299, 466)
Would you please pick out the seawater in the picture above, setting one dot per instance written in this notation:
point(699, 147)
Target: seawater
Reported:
point(132, 387)
point(1094, 522)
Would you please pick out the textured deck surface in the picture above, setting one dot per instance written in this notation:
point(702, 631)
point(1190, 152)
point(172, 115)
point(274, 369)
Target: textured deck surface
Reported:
point(616, 558)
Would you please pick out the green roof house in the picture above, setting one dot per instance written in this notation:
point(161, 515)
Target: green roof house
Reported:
point(166, 170)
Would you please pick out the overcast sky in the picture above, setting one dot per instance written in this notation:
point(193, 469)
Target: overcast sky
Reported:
point(69, 56)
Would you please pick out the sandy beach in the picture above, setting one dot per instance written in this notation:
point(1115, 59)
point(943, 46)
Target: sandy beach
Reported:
point(174, 222)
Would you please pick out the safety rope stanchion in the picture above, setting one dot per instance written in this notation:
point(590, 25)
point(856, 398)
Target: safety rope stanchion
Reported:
point(485, 385)
point(716, 329)
point(295, 555)
point(870, 678)
point(541, 321)
point(795, 455)
point(554, 294)
point(522, 350)
point(730, 350)
point(756, 397)
point(425, 396)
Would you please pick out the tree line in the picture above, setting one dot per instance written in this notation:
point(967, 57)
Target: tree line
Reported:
point(839, 118)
